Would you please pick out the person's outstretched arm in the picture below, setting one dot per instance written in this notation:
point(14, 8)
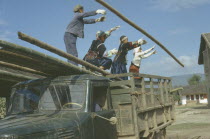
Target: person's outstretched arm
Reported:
point(108, 33)
point(146, 51)
point(110, 53)
point(91, 21)
point(148, 54)
point(86, 14)
point(92, 13)
point(132, 45)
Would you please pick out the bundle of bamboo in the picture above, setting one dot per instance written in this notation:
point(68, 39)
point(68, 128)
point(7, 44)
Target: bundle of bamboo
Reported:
point(33, 61)
point(18, 63)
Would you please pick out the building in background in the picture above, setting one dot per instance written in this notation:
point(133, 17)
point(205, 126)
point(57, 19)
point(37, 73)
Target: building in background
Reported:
point(194, 94)
point(204, 58)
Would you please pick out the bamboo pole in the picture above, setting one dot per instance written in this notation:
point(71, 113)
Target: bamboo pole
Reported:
point(45, 58)
point(138, 28)
point(20, 60)
point(8, 80)
point(17, 59)
point(6, 75)
point(25, 69)
point(60, 53)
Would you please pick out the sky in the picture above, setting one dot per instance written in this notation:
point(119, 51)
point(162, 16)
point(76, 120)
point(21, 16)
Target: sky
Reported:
point(177, 24)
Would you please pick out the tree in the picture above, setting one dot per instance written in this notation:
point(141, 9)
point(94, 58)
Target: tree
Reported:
point(195, 79)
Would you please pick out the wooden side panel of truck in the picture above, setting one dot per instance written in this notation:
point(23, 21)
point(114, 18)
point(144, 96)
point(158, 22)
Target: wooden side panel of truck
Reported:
point(143, 105)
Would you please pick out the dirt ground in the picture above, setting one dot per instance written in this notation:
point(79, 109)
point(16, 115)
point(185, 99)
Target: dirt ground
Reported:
point(192, 122)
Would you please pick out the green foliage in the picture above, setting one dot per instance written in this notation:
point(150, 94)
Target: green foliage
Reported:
point(176, 97)
point(195, 79)
point(2, 107)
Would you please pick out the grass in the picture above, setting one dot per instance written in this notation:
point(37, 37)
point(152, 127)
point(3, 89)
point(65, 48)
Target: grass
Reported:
point(197, 106)
point(184, 126)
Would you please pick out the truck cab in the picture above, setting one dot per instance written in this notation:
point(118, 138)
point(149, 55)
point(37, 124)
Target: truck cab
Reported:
point(77, 106)
point(90, 107)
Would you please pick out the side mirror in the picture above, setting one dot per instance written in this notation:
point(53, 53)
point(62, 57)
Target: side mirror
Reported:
point(112, 120)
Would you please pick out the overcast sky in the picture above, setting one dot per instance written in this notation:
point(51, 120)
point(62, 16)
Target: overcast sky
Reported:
point(177, 24)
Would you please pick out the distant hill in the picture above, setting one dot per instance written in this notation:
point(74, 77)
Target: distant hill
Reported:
point(181, 80)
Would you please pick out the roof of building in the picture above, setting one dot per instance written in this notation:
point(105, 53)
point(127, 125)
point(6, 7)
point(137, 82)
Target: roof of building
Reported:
point(205, 41)
point(194, 89)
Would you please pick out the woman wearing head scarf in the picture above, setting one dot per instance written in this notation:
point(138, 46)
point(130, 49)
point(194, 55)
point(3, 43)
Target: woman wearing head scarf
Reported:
point(120, 60)
point(96, 54)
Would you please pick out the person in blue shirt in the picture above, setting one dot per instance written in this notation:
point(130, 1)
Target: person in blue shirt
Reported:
point(99, 100)
point(76, 28)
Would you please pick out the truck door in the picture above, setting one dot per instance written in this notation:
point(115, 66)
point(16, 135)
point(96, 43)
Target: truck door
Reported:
point(103, 129)
point(122, 104)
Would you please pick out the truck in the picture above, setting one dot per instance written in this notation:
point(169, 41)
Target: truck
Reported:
point(76, 103)
point(66, 107)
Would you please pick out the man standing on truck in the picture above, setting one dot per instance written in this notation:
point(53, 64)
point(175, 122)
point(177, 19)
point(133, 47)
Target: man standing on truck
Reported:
point(76, 28)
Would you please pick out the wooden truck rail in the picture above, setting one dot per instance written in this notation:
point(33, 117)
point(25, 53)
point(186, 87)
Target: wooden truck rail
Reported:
point(143, 105)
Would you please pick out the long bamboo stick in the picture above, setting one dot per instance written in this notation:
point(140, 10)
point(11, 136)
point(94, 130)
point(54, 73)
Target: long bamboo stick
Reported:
point(43, 57)
point(6, 75)
point(21, 68)
point(138, 28)
point(59, 52)
point(17, 59)
point(21, 60)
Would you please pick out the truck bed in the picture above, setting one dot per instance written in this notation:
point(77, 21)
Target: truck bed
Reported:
point(143, 105)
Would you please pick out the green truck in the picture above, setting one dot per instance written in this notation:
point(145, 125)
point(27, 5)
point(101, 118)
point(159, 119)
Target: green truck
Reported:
point(76, 103)
point(66, 107)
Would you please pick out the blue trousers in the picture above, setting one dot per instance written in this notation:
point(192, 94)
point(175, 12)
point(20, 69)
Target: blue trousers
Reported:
point(119, 68)
point(70, 42)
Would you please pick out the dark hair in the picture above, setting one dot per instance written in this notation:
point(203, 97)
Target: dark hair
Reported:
point(77, 8)
point(122, 37)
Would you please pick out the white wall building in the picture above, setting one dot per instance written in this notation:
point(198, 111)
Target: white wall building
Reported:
point(197, 93)
point(200, 98)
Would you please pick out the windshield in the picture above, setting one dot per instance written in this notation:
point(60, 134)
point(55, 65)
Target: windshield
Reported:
point(56, 96)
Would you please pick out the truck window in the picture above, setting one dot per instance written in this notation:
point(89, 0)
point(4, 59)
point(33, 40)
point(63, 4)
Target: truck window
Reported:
point(69, 96)
point(31, 99)
point(99, 99)
point(24, 100)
